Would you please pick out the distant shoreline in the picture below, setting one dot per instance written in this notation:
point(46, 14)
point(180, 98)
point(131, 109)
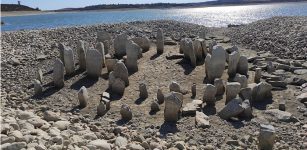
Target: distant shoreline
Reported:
point(26, 13)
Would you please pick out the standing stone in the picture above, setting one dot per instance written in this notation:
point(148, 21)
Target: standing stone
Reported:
point(174, 86)
point(81, 50)
point(243, 66)
point(215, 63)
point(257, 75)
point(39, 75)
point(38, 88)
point(120, 44)
point(246, 93)
point(182, 45)
point(143, 42)
point(120, 71)
point(58, 73)
point(232, 109)
point(211, 45)
point(111, 79)
point(209, 94)
point(173, 104)
point(266, 137)
point(193, 89)
point(154, 107)
point(261, 92)
point(101, 109)
point(197, 44)
point(233, 63)
point(93, 63)
point(241, 79)
point(220, 88)
point(160, 41)
point(126, 112)
point(160, 96)
point(118, 86)
point(69, 60)
point(110, 63)
point(143, 91)
point(232, 90)
point(133, 52)
point(191, 53)
point(61, 51)
point(83, 97)
point(100, 48)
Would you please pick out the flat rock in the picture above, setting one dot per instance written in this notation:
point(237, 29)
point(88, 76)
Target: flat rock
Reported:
point(201, 120)
point(280, 115)
point(300, 71)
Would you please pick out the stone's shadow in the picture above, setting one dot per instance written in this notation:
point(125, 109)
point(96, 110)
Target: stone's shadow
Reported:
point(105, 76)
point(151, 112)
point(49, 72)
point(262, 105)
point(219, 97)
point(153, 57)
point(209, 110)
point(84, 81)
point(67, 77)
point(112, 95)
point(236, 123)
point(186, 66)
point(168, 127)
point(279, 88)
point(121, 122)
point(139, 101)
point(176, 56)
point(131, 72)
point(46, 93)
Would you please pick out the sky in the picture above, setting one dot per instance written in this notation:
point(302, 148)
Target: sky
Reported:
point(58, 4)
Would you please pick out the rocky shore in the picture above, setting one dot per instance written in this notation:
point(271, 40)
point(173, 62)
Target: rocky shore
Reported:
point(215, 110)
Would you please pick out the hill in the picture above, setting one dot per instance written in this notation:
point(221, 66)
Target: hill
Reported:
point(16, 7)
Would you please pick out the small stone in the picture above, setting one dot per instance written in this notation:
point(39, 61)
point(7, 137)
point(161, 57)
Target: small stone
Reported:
point(110, 63)
point(133, 146)
point(266, 137)
point(125, 112)
point(154, 106)
point(143, 91)
point(257, 75)
point(100, 144)
point(201, 120)
point(209, 94)
point(39, 75)
point(246, 93)
point(83, 97)
point(302, 97)
point(280, 115)
point(247, 109)
point(173, 104)
point(101, 109)
point(180, 145)
point(51, 116)
point(174, 86)
point(232, 109)
point(160, 96)
point(13, 146)
point(121, 141)
point(14, 61)
point(242, 79)
point(220, 88)
point(189, 109)
point(61, 125)
point(38, 88)
point(282, 105)
point(193, 89)
point(232, 90)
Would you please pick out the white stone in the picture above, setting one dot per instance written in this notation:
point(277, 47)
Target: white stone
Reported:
point(83, 97)
point(81, 51)
point(58, 73)
point(39, 75)
point(173, 104)
point(100, 48)
point(160, 41)
point(234, 58)
point(201, 120)
point(69, 60)
point(93, 63)
point(209, 94)
point(215, 63)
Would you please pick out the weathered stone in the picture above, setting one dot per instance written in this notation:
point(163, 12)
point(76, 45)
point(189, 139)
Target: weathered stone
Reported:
point(209, 94)
point(61, 51)
point(261, 92)
point(241, 79)
point(173, 104)
point(61, 125)
point(184, 47)
point(160, 96)
point(143, 42)
point(191, 53)
point(100, 48)
point(270, 67)
point(69, 60)
point(160, 41)
point(81, 51)
point(201, 120)
point(99, 144)
point(232, 90)
point(120, 71)
point(83, 97)
point(110, 63)
point(120, 44)
point(126, 112)
point(38, 88)
point(51, 116)
point(174, 86)
point(193, 89)
point(200, 49)
point(280, 115)
point(133, 53)
point(111, 79)
point(266, 137)
point(155, 106)
point(242, 67)
point(58, 73)
point(14, 146)
point(257, 75)
point(300, 71)
point(220, 88)
point(39, 75)
point(246, 93)
point(232, 109)
point(302, 97)
point(143, 91)
point(247, 109)
point(118, 86)
point(121, 141)
point(101, 109)
point(215, 63)
point(282, 105)
point(93, 63)
point(234, 58)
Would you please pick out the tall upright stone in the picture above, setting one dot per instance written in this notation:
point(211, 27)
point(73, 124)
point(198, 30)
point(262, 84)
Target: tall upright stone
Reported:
point(105, 38)
point(58, 73)
point(261, 92)
point(121, 71)
point(93, 63)
point(191, 53)
point(234, 58)
point(120, 44)
point(184, 47)
point(173, 104)
point(174, 86)
point(232, 90)
point(209, 94)
point(81, 50)
point(83, 97)
point(61, 48)
point(100, 48)
point(193, 90)
point(242, 67)
point(257, 75)
point(220, 88)
point(200, 49)
point(215, 63)
point(241, 79)
point(270, 67)
point(133, 52)
point(110, 63)
point(69, 60)
point(160, 41)
point(266, 137)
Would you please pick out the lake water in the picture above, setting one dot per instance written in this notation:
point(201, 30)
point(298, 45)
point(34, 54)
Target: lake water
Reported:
point(208, 16)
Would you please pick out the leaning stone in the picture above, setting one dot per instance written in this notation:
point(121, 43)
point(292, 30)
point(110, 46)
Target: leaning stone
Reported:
point(110, 63)
point(83, 97)
point(174, 86)
point(81, 50)
point(155, 106)
point(257, 75)
point(247, 109)
point(100, 48)
point(261, 92)
point(232, 109)
point(93, 63)
point(193, 90)
point(133, 52)
point(120, 44)
point(215, 63)
point(246, 93)
point(143, 91)
point(126, 112)
point(58, 73)
point(201, 120)
point(242, 67)
point(220, 88)
point(61, 51)
point(160, 41)
point(38, 88)
point(39, 75)
point(234, 58)
point(241, 79)
point(69, 60)
point(232, 90)
point(118, 86)
point(160, 96)
point(302, 97)
point(143, 42)
point(173, 104)
point(266, 137)
point(280, 115)
point(121, 71)
point(209, 94)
